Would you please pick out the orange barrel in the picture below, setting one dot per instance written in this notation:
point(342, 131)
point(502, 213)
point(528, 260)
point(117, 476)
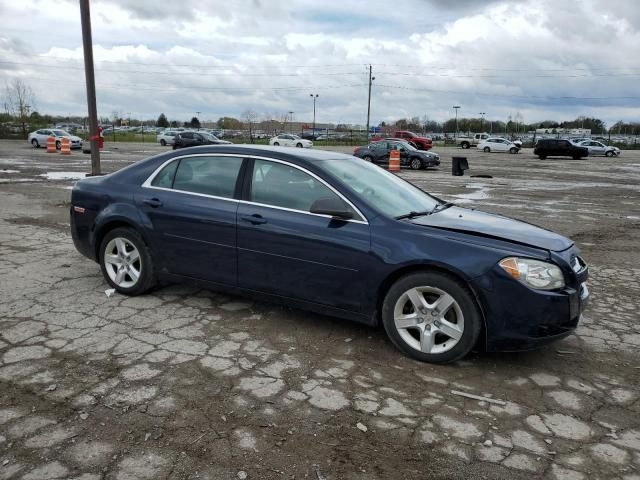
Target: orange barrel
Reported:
point(51, 145)
point(65, 147)
point(394, 161)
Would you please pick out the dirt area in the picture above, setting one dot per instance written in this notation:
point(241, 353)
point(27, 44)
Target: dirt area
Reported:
point(186, 383)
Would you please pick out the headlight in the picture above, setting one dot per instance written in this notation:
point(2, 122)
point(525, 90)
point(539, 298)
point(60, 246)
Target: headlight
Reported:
point(534, 273)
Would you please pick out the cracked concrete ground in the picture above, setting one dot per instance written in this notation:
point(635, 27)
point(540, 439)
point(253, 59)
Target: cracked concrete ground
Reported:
point(189, 383)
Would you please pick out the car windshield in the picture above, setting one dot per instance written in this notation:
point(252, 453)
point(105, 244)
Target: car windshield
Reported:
point(60, 133)
point(295, 137)
point(208, 136)
point(387, 192)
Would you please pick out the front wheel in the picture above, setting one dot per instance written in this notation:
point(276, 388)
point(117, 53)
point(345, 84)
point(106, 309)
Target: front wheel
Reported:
point(609, 154)
point(432, 317)
point(35, 143)
point(576, 157)
point(367, 158)
point(513, 150)
point(126, 263)
point(486, 149)
point(415, 164)
point(542, 157)
point(58, 145)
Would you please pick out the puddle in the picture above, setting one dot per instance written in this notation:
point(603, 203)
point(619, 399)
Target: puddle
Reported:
point(63, 175)
point(481, 193)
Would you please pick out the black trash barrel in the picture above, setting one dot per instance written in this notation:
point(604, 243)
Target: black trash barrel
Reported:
point(458, 166)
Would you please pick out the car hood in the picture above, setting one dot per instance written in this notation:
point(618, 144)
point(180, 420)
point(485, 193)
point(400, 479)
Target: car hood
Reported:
point(484, 224)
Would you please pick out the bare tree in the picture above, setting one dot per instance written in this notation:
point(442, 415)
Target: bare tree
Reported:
point(20, 101)
point(249, 117)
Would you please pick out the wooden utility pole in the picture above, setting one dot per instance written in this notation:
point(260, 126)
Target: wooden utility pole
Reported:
point(87, 44)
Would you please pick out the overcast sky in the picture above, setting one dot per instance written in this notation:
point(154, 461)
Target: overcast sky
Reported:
point(546, 59)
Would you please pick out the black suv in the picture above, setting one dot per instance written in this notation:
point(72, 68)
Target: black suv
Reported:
point(549, 147)
point(192, 139)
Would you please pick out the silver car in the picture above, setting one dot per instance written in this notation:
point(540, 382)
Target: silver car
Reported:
point(597, 148)
point(39, 138)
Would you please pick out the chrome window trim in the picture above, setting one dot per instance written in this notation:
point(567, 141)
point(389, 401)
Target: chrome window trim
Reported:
point(147, 184)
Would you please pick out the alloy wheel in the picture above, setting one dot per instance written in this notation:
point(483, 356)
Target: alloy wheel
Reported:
point(122, 262)
point(428, 320)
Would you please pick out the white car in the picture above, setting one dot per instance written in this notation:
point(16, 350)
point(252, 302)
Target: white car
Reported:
point(289, 140)
point(39, 138)
point(167, 137)
point(597, 148)
point(494, 144)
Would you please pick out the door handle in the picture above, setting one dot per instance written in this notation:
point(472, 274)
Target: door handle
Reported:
point(254, 219)
point(152, 202)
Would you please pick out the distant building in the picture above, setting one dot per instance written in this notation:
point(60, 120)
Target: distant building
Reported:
point(564, 131)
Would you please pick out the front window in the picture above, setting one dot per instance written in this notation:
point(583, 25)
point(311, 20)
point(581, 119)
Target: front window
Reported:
point(285, 186)
point(387, 192)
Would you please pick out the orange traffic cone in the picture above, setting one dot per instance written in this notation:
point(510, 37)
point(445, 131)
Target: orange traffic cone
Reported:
point(65, 147)
point(51, 145)
point(394, 161)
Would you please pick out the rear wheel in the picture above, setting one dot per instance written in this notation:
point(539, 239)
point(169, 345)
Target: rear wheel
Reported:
point(415, 164)
point(513, 150)
point(299, 145)
point(431, 317)
point(163, 142)
point(577, 157)
point(465, 145)
point(276, 144)
point(35, 143)
point(367, 158)
point(542, 157)
point(486, 149)
point(126, 262)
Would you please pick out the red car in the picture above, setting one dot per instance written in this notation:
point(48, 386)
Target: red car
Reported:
point(421, 143)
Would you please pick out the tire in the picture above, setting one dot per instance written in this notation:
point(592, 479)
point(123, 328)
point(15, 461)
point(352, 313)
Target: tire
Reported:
point(163, 142)
point(367, 158)
point(577, 157)
point(542, 157)
point(415, 163)
point(35, 143)
point(112, 245)
point(486, 149)
point(461, 318)
point(609, 154)
point(276, 144)
point(465, 145)
point(299, 145)
point(58, 145)
point(513, 150)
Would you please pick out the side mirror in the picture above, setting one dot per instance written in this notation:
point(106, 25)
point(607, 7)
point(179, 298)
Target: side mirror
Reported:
point(331, 206)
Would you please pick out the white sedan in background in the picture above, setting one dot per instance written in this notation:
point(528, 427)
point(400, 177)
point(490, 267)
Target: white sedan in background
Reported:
point(39, 138)
point(289, 140)
point(167, 137)
point(494, 144)
point(597, 148)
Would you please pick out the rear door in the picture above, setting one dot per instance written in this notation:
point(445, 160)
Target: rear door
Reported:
point(285, 250)
point(191, 210)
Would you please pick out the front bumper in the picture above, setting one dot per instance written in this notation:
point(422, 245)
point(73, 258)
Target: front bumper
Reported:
point(522, 318)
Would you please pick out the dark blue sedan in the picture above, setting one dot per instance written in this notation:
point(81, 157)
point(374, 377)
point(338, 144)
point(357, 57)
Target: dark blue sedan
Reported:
point(334, 234)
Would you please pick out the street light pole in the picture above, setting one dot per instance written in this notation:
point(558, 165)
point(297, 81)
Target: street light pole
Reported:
point(291, 124)
point(482, 114)
point(371, 79)
point(455, 134)
point(314, 112)
point(87, 44)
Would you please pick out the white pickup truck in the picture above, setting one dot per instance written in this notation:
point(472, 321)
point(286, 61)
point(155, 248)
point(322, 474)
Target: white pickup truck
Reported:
point(472, 141)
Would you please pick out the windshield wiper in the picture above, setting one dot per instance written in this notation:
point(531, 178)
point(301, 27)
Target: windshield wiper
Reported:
point(414, 214)
point(436, 209)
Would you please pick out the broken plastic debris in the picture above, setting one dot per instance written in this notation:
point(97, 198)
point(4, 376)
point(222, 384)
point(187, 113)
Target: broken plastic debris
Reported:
point(478, 397)
point(361, 427)
point(52, 387)
point(109, 292)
